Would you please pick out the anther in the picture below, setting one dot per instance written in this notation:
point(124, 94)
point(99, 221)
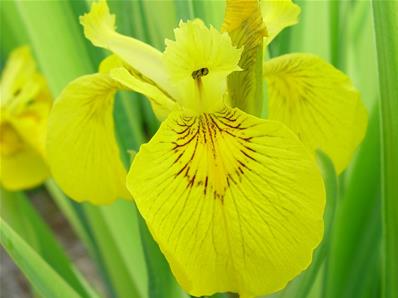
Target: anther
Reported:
point(200, 73)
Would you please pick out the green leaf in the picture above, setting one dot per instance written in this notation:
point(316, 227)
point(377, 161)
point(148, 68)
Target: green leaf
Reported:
point(307, 278)
point(71, 211)
point(10, 22)
point(386, 26)
point(59, 48)
point(356, 232)
point(47, 282)
point(161, 282)
point(337, 34)
point(20, 214)
point(116, 234)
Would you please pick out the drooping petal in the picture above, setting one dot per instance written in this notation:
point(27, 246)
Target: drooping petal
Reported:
point(277, 15)
point(99, 28)
point(199, 61)
point(319, 103)
point(245, 26)
point(26, 99)
point(32, 125)
point(161, 103)
point(81, 145)
point(25, 104)
point(235, 202)
point(24, 170)
point(21, 166)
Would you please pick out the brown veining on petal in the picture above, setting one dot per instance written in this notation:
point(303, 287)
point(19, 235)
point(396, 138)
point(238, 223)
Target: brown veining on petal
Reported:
point(202, 140)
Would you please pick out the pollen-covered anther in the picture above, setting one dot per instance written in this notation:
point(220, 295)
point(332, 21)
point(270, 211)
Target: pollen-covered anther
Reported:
point(197, 74)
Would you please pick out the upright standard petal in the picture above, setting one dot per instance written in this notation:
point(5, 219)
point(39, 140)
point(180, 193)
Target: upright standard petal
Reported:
point(245, 26)
point(199, 61)
point(277, 15)
point(319, 103)
point(99, 28)
point(235, 202)
point(82, 151)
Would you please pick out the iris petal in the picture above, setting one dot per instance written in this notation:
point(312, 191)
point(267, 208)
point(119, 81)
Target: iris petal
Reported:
point(21, 166)
point(25, 103)
point(319, 103)
point(17, 73)
point(277, 15)
point(199, 61)
point(99, 28)
point(81, 145)
point(235, 202)
point(244, 23)
point(161, 103)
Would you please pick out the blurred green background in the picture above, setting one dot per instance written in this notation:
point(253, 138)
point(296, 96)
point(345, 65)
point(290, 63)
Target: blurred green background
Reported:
point(67, 249)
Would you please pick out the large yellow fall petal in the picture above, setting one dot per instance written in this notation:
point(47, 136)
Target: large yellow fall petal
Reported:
point(235, 202)
point(277, 15)
point(319, 103)
point(99, 28)
point(81, 146)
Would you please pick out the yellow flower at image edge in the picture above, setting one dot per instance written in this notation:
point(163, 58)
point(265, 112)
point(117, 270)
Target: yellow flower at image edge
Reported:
point(234, 201)
point(25, 104)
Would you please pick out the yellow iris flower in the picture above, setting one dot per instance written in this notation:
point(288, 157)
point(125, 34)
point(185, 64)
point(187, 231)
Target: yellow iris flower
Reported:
point(25, 104)
point(234, 201)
